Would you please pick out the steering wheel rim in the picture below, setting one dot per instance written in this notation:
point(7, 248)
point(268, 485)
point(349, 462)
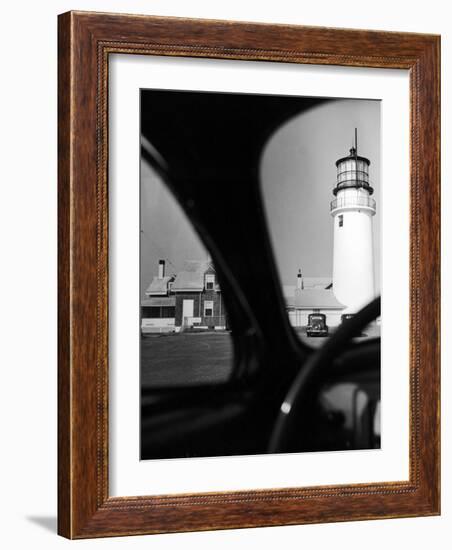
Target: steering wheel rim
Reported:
point(314, 371)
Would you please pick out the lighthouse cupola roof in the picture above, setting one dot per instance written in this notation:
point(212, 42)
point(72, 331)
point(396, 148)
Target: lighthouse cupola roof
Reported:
point(353, 171)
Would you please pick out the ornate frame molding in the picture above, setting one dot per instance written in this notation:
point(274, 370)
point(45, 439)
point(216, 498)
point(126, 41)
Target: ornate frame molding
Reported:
point(85, 42)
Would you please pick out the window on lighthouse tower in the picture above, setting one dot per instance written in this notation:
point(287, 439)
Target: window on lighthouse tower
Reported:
point(341, 220)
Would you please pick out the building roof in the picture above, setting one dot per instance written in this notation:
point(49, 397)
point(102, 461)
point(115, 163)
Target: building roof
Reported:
point(191, 278)
point(318, 283)
point(163, 301)
point(158, 286)
point(310, 298)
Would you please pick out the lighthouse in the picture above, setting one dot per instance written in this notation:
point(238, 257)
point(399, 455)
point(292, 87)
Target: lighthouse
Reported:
point(352, 210)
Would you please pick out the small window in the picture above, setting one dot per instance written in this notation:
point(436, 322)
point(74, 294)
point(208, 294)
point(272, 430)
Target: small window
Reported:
point(208, 308)
point(210, 281)
point(341, 220)
point(151, 312)
point(168, 312)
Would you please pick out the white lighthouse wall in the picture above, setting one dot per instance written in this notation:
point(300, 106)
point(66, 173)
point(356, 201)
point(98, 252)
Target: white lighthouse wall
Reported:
point(353, 266)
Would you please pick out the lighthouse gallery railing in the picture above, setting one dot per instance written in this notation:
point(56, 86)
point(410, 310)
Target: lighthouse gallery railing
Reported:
point(341, 202)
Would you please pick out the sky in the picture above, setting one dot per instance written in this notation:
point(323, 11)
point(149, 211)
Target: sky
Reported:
point(298, 174)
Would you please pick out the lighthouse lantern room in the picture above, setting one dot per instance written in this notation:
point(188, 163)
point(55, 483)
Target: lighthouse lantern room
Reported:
point(353, 209)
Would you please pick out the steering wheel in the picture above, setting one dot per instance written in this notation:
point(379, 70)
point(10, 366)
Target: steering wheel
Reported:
point(314, 373)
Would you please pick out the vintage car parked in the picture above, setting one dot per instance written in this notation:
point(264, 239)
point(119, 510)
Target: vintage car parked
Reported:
point(317, 325)
point(347, 316)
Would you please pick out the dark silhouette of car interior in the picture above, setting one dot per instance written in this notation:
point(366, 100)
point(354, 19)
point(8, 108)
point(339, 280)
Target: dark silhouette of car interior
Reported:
point(207, 149)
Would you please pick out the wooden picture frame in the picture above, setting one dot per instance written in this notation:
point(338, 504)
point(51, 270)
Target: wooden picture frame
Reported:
point(86, 40)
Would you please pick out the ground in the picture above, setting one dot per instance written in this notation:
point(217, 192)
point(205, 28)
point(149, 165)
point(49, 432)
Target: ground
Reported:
point(191, 358)
point(185, 358)
point(372, 331)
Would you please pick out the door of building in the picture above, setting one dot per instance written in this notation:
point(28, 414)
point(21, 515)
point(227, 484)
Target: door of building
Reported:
point(187, 312)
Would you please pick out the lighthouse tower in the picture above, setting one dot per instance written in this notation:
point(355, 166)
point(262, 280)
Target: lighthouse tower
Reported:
point(352, 210)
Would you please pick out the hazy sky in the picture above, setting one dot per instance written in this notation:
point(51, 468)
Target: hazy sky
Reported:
point(166, 232)
point(298, 174)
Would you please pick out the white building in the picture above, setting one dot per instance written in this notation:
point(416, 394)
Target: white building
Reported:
point(312, 295)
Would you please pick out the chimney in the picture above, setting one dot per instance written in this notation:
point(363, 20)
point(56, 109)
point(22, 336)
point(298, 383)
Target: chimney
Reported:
point(299, 280)
point(161, 269)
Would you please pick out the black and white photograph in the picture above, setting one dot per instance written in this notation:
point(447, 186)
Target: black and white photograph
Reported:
point(259, 274)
